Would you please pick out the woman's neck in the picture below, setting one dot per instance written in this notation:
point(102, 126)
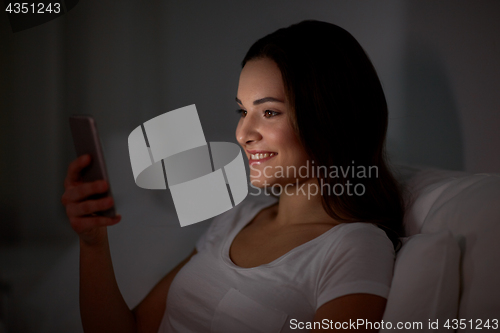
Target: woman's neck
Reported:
point(301, 203)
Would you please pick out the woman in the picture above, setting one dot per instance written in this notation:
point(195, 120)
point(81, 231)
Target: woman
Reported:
point(316, 258)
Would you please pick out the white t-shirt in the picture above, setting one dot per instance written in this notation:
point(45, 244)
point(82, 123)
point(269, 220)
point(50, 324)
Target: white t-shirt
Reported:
point(211, 294)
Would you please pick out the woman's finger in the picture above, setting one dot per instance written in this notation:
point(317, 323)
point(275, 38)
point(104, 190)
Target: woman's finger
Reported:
point(88, 223)
point(84, 190)
point(87, 207)
point(75, 168)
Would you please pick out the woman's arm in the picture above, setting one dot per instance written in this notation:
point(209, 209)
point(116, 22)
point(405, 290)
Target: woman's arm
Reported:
point(149, 312)
point(352, 307)
point(102, 307)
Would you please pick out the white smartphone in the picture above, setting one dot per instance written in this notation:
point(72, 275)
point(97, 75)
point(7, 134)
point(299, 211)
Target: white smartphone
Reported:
point(86, 140)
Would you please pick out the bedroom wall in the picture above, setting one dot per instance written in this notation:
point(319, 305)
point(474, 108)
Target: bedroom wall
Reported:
point(451, 80)
point(128, 62)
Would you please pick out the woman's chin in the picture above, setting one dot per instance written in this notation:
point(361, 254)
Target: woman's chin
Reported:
point(260, 183)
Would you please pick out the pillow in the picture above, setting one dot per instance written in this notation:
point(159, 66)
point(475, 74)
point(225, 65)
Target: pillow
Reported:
point(468, 206)
point(425, 285)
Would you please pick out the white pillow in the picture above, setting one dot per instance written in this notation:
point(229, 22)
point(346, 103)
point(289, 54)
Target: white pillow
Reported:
point(425, 285)
point(468, 206)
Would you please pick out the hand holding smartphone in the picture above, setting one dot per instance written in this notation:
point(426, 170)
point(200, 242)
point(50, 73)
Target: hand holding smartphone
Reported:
point(86, 140)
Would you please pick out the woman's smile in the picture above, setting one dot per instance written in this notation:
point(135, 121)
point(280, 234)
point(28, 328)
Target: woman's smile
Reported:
point(259, 156)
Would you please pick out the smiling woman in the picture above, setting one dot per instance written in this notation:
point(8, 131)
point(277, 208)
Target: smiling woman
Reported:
point(336, 106)
point(304, 91)
point(310, 101)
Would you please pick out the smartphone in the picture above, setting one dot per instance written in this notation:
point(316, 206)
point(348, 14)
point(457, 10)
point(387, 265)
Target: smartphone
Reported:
point(86, 140)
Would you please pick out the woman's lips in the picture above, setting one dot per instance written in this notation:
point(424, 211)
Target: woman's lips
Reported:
point(260, 157)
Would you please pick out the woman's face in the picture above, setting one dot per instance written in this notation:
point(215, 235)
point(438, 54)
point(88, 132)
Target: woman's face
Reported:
point(264, 130)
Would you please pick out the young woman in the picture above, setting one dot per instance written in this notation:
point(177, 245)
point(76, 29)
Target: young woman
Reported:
point(313, 126)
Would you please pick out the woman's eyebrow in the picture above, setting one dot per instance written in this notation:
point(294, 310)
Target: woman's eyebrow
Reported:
point(262, 100)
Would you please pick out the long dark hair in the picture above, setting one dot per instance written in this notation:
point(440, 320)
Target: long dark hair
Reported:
point(339, 112)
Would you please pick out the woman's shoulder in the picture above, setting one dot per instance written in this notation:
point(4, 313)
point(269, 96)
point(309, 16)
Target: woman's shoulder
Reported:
point(359, 260)
point(359, 228)
point(362, 236)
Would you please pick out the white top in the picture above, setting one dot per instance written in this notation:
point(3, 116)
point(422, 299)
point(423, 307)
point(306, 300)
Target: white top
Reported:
point(212, 294)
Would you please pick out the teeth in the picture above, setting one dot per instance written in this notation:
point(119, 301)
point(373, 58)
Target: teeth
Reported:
point(261, 156)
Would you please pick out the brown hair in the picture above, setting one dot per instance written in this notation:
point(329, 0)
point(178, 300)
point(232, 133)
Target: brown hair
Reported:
point(339, 112)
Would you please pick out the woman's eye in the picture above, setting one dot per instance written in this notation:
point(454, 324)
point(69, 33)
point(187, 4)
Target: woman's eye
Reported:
point(242, 112)
point(269, 113)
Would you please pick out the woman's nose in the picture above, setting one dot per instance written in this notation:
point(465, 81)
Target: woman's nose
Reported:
point(247, 131)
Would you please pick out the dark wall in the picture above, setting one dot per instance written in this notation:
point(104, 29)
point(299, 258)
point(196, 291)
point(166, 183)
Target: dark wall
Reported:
point(126, 62)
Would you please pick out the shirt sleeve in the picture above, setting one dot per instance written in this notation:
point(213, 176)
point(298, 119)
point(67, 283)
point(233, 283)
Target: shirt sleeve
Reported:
point(361, 261)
